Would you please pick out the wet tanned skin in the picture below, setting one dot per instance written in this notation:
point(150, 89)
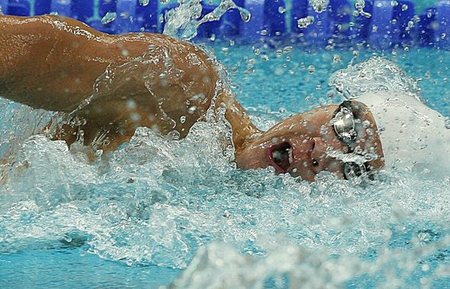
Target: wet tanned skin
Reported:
point(54, 63)
point(310, 136)
point(149, 80)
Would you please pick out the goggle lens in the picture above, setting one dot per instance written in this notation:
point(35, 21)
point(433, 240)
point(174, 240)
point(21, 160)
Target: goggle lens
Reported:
point(344, 125)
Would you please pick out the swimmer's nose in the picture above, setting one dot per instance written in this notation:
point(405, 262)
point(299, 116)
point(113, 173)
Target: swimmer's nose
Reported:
point(319, 157)
point(321, 161)
point(308, 156)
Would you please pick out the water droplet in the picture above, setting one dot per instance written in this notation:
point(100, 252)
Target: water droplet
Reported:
point(131, 104)
point(245, 14)
point(135, 117)
point(264, 32)
point(182, 119)
point(279, 71)
point(175, 135)
point(192, 109)
point(404, 7)
point(319, 5)
point(337, 59)
point(311, 69)
point(305, 22)
point(447, 123)
point(109, 17)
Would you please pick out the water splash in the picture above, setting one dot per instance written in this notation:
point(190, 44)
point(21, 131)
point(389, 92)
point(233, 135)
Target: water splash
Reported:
point(319, 5)
point(376, 74)
point(109, 17)
point(144, 2)
point(183, 21)
point(303, 23)
point(296, 267)
point(359, 9)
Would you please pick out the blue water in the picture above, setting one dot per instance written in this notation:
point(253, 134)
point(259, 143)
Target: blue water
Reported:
point(160, 212)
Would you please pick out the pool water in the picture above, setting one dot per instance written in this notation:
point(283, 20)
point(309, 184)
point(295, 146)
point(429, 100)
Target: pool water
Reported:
point(171, 213)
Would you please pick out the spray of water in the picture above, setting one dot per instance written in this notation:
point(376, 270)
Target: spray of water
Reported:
point(376, 74)
point(319, 5)
point(183, 21)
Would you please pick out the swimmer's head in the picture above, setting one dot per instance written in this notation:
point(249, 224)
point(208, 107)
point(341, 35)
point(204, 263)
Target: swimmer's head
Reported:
point(342, 139)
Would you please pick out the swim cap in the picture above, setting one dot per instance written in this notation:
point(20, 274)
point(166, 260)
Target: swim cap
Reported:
point(412, 134)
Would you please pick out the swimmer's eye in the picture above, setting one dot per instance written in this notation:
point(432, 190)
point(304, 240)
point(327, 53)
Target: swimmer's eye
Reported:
point(344, 125)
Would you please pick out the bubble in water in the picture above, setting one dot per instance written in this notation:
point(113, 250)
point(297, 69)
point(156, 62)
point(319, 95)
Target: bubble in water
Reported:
point(144, 2)
point(109, 17)
point(447, 123)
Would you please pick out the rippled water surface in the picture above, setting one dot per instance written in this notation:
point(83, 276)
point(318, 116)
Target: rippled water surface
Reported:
point(161, 211)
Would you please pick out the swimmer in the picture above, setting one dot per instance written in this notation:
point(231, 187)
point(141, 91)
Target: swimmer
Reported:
point(108, 85)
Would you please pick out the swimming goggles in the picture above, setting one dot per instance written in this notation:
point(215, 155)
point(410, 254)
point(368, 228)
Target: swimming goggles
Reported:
point(344, 125)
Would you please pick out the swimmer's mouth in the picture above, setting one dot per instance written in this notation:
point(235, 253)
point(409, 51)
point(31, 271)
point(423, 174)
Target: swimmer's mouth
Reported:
point(281, 156)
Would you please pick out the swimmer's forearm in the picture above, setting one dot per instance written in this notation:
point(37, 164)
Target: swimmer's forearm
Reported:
point(41, 61)
point(52, 62)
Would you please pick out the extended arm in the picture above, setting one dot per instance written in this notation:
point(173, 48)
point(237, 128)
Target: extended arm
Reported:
point(131, 80)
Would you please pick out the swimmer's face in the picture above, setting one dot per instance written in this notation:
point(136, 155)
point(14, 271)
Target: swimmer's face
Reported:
point(306, 144)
